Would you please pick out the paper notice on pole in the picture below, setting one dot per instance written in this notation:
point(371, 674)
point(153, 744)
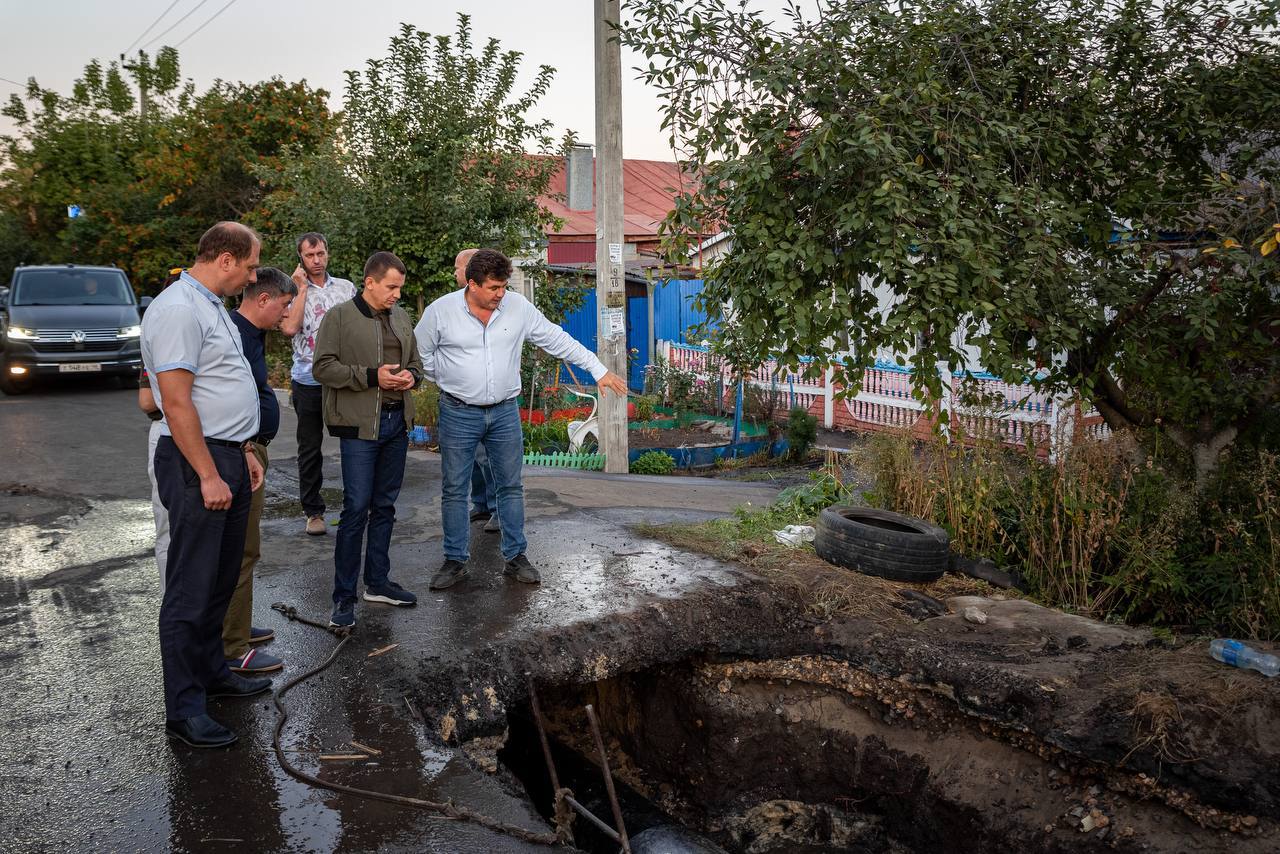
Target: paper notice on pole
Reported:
point(615, 253)
point(614, 322)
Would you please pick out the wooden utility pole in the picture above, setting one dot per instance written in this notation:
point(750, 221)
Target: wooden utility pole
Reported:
point(142, 74)
point(611, 282)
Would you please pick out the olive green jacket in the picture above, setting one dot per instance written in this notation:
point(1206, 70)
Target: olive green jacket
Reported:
point(348, 353)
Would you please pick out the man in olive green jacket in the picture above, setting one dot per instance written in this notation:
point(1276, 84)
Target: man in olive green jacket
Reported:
point(366, 358)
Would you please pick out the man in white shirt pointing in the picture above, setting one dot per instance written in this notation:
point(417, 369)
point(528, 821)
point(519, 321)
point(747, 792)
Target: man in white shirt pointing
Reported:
point(470, 342)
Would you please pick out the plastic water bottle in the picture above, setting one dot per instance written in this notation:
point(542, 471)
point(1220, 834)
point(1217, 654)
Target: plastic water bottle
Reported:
point(1236, 654)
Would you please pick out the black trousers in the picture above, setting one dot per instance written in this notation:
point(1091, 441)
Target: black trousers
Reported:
point(205, 548)
point(308, 404)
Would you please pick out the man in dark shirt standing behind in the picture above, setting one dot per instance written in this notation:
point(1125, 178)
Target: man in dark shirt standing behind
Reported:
point(265, 305)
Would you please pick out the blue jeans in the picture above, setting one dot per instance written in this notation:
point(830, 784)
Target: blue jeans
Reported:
point(483, 496)
point(372, 473)
point(462, 429)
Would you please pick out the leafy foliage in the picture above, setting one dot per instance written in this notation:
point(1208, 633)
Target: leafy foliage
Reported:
point(653, 462)
point(149, 184)
point(807, 500)
point(1083, 187)
point(429, 157)
point(545, 438)
point(802, 432)
point(646, 407)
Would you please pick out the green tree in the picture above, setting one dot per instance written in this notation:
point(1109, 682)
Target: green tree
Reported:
point(210, 167)
point(1083, 188)
point(149, 186)
point(430, 157)
point(78, 149)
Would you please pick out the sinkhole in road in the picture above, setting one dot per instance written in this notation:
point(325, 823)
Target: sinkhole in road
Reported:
point(755, 757)
point(811, 754)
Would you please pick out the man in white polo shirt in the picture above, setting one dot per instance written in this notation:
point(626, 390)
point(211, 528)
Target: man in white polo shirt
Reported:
point(470, 343)
point(205, 474)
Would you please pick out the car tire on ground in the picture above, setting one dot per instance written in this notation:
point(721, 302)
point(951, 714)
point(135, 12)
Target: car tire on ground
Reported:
point(881, 543)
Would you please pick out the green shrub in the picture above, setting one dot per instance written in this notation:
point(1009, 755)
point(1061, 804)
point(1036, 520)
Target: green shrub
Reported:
point(653, 462)
point(426, 404)
point(646, 407)
point(802, 431)
point(809, 499)
point(546, 438)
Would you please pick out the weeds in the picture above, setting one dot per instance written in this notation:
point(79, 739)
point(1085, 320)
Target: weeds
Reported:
point(1095, 532)
point(802, 432)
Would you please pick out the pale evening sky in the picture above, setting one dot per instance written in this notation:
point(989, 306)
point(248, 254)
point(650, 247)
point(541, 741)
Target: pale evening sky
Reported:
point(317, 40)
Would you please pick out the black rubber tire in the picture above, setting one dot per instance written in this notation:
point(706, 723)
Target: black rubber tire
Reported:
point(888, 567)
point(929, 552)
point(884, 526)
point(910, 563)
point(884, 544)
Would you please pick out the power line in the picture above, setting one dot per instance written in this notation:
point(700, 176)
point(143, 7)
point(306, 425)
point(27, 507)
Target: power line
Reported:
point(205, 24)
point(175, 24)
point(14, 82)
point(150, 28)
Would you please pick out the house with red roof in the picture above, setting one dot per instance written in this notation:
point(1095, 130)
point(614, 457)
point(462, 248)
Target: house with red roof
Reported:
point(659, 297)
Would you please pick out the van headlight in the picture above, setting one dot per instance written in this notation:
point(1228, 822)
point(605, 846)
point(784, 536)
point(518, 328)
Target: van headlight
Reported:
point(130, 332)
point(19, 333)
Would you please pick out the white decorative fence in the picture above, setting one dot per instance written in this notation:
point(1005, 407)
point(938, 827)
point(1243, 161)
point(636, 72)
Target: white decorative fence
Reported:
point(981, 405)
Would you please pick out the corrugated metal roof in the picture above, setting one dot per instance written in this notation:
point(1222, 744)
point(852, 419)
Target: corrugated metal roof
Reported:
point(648, 188)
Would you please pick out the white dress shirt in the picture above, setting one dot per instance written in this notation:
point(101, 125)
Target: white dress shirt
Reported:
point(480, 363)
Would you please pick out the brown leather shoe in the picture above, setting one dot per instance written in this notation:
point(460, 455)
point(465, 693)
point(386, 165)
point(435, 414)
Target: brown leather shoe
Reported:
point(316, 526)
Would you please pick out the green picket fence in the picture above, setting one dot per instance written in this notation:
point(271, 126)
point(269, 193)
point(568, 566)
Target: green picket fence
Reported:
point(562, 460)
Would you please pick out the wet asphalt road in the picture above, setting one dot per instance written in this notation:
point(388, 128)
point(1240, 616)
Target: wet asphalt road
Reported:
point(85, 765)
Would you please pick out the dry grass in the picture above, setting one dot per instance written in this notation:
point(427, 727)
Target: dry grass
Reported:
point(826, 591)
point(1178, 698)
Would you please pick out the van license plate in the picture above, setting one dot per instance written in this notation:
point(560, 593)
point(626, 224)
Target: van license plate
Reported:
point(80, 368)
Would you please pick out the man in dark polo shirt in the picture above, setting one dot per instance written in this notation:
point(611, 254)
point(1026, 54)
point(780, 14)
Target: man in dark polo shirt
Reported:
point(264, 306)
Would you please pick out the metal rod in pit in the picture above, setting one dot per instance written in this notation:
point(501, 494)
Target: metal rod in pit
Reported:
point(542, 737)
point(589, 816)
point(608, 781)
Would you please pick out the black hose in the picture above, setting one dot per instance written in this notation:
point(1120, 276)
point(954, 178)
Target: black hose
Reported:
point(447, 809)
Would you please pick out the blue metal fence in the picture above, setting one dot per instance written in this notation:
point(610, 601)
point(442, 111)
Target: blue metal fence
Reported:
point(673, 315)
point(673, 309)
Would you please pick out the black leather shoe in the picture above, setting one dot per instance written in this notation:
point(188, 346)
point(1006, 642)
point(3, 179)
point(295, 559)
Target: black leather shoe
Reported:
point(238, 686)
point(200, 731)
point(449, 574)
point(520, 569)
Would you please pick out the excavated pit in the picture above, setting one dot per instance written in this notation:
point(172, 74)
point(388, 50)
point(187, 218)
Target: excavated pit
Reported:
point(815, 754)
point(731, 711)
point(738, 718)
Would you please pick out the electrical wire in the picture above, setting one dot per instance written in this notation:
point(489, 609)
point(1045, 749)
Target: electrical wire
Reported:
point(14, 82)
point(205, 24)
point(175, 24)
point(150, 28)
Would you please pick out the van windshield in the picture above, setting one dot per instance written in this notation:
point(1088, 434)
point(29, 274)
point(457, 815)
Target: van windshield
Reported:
point(71, 287)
